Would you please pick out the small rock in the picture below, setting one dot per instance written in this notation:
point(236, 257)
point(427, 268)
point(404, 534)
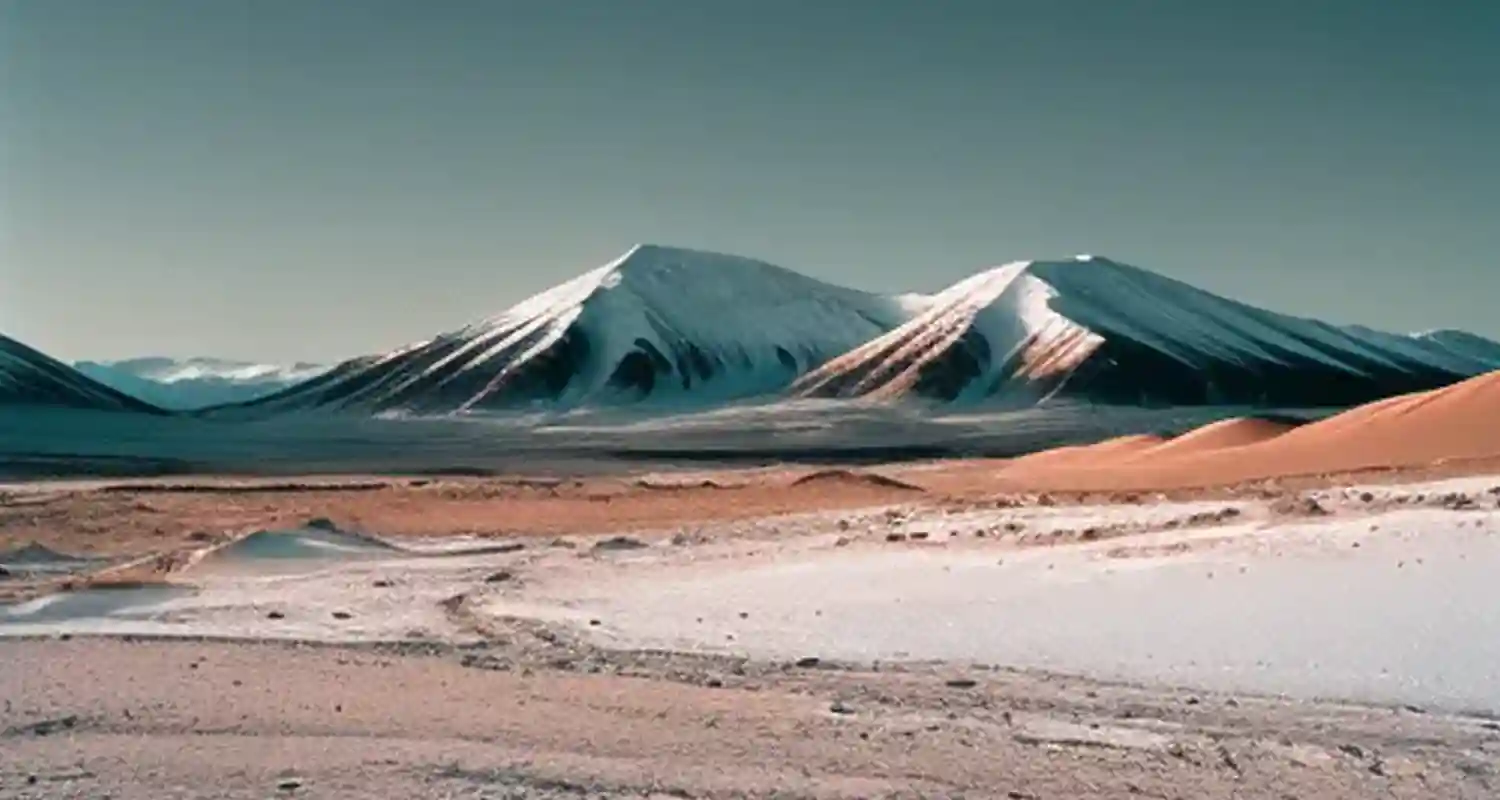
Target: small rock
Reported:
point(960, 683)
point(321, 524)
point(843, 524)
point(809, 662)
point(342, 615)
point(1366, 497)
point(895, 537)
point(563, 543)
point(714, 683)
point(620, 543)
point(30, 780)
point(594, 623)
point(499, 577)
point(382, 584)
point(919, 535)
point(744, 615)
point(4, 573)
point(839, 707)
point(842, 541)
point(275, 615)
point(288, 785)
point(200, 536)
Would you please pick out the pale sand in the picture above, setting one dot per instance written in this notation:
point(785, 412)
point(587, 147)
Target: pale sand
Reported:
point(142, 721)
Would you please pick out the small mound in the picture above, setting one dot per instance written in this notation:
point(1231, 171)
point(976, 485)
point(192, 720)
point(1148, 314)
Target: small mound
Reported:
point(119, 601)
point(295, 545)
point(33, 553)
point(37, 558)
point(1237, 432)
point(844, 477)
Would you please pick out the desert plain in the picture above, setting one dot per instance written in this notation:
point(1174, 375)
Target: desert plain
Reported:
point(1249, 610)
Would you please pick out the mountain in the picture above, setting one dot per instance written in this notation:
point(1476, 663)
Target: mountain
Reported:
point(1100, 331)
point(658, 325)
point(196, 382)
point(30, 378)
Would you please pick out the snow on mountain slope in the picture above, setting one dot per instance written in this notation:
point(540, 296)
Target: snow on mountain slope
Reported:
point(659, 324)
point(30, 378)
point(196, 382)
point(1101, 331)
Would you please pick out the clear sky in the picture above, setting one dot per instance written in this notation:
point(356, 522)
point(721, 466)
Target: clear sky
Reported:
point(315, 179)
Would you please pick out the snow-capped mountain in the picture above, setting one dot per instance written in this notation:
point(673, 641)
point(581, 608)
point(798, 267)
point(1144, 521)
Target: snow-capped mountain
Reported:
point(658, 325)
point(182, 384)
point(1097, 330)
point(30, 378)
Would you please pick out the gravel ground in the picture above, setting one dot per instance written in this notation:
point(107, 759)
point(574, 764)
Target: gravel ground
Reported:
point(538, 716)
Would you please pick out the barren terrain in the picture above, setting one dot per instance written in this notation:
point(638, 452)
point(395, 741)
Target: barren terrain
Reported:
point(1245, 611)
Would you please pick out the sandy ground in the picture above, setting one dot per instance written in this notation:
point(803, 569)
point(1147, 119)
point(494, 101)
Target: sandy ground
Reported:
point(522, 639)
point(94, 718)
point(442, 685)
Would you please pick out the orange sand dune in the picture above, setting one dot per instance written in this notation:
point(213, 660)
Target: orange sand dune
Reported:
point(1237, 432)
point(1456, 423)
point(1107, 451)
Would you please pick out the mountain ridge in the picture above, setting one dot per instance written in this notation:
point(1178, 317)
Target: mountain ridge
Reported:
point(662, 324)
point(29, 377)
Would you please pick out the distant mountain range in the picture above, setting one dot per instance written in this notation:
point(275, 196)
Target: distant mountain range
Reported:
point(663, 327)
point(30, 378)
point(194, 383)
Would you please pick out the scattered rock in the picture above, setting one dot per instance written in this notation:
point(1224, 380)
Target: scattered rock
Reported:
point(48, 727)
point(1458, 502)
point(499, 577)
point(620, 543)
point(1302, 506)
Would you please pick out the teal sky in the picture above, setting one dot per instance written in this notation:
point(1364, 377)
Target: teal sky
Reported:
point(315, 179)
